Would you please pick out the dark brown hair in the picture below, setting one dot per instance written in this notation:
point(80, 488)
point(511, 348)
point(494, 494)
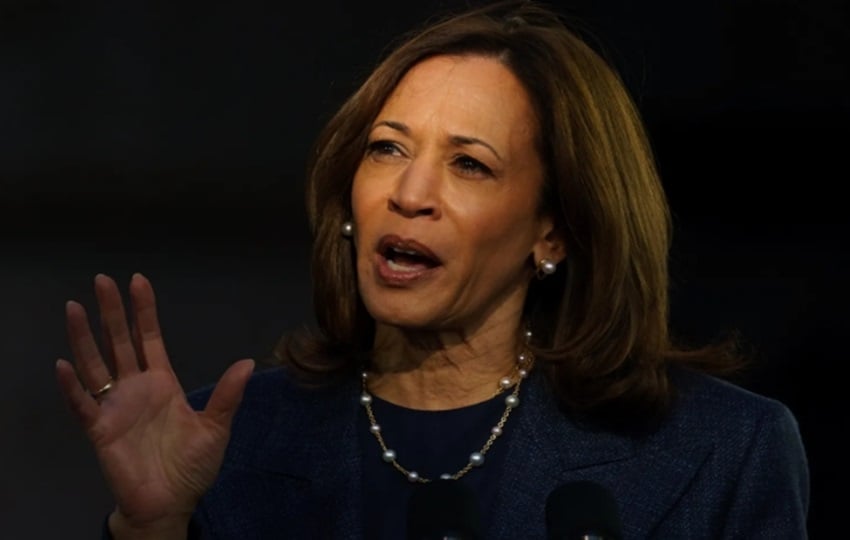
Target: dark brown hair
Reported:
point(601, 321)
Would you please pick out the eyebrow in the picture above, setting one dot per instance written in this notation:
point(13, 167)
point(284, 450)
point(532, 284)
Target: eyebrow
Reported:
point(456, 140)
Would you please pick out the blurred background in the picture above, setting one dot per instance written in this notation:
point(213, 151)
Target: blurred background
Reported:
point(170, 138)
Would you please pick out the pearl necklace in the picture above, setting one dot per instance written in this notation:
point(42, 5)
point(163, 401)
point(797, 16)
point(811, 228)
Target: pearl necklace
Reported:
point(476, 459)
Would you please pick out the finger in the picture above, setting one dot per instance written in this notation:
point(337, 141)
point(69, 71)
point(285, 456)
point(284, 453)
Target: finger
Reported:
point(137, 336)
point(137, 343)
point(114, 323)
point(106, 349)
point(228, 393)
point(149, 337)
point(92, 370)
point(84, 407)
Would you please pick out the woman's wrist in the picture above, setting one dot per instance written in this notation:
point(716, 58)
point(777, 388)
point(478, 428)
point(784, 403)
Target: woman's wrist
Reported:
point(170, 528)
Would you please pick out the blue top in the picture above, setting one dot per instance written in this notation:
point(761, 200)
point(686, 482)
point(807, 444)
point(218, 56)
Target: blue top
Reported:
point(430, 443)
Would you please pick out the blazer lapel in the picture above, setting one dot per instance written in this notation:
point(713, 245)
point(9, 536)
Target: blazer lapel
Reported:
point(547, 449)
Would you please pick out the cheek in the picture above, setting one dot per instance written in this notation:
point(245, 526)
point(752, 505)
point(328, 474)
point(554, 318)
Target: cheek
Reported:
point(365, 197)
point(356, 197)
point(497, 231)
point(363, 205)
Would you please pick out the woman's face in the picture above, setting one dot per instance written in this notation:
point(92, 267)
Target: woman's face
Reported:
point(445, 201)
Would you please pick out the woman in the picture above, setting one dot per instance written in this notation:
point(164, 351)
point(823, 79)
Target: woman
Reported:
point(490, 244)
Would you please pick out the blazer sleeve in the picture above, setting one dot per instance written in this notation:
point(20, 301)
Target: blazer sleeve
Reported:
point(772, 496)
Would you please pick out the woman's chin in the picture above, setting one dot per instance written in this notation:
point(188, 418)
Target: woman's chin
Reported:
point(406, 319)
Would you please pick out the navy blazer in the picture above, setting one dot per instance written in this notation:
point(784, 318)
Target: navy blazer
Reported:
point(727, 463)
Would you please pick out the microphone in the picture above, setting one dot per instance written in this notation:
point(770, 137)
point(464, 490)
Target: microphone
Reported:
point(582, 510)
point(443, 510)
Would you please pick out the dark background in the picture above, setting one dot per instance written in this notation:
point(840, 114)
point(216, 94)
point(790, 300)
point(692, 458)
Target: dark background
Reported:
point(170, 138)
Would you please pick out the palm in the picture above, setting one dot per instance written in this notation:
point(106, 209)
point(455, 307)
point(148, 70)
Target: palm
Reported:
point(149, 440)
point(157, 454)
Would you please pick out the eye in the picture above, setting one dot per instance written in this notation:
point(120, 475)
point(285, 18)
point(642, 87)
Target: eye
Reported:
point(383, 148)
point(471, 166)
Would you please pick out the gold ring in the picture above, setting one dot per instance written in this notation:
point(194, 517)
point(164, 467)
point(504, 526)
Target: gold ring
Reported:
point(103, 389)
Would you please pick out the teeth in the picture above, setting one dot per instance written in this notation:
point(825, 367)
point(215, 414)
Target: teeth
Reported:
point(400, 267)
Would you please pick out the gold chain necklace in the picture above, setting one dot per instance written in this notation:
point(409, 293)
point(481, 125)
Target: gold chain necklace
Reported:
point(476, 459)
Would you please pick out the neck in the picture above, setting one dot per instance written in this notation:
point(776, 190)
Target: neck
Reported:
point(442, 370)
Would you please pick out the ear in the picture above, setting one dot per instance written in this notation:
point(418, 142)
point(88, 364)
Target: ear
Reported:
point(551, 243)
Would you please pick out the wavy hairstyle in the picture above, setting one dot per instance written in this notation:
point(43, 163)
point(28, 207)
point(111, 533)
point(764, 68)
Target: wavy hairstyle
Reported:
point(601, 321)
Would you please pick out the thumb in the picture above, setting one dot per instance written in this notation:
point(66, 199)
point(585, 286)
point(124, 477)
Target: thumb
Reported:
point(227, 394)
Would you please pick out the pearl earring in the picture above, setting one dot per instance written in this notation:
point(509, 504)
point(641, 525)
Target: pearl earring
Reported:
point(347, 229)
point(545, 268)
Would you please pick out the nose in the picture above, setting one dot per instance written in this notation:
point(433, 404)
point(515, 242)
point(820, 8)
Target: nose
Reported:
point(417, 190)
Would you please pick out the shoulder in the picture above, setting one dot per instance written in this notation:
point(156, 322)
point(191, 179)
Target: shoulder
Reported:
point(278, 416)
point(273, 397)
point(274, 386)
point(744, 449)
point(714, 407)
point(750, 441)
point(266, 386)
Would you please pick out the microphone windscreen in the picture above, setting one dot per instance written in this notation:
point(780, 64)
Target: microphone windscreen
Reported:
point(582, 509)
point(443, 509)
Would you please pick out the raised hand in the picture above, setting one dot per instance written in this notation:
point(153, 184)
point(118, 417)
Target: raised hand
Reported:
point(158, 454)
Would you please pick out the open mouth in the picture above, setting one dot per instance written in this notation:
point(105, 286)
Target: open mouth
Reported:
point(407, 255)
